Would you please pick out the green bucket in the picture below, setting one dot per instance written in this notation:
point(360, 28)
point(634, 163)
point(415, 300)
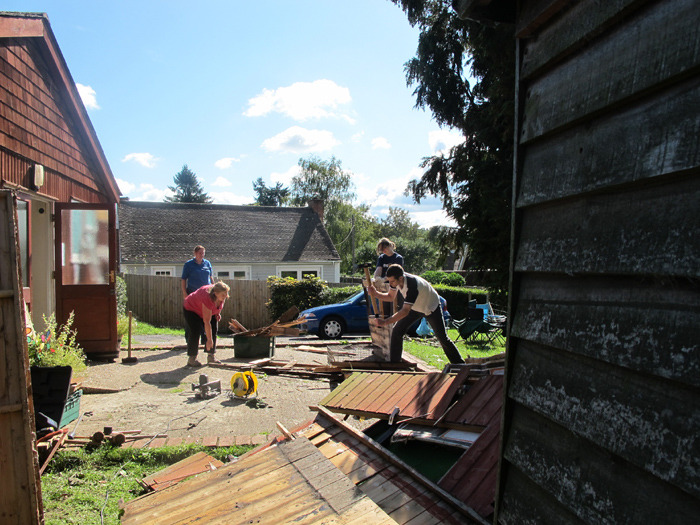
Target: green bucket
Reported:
point(253, 346)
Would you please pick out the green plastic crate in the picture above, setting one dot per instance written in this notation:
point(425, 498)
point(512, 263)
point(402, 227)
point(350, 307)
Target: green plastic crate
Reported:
point(71, 410)
point(255, 346)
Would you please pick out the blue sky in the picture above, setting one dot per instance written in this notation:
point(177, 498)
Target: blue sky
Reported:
point(239, 90)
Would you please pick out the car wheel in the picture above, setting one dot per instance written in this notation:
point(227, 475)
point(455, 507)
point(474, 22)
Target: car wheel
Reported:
point(331, 328)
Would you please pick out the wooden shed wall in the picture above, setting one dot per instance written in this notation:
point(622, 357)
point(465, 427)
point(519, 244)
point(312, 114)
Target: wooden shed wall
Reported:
point(37, 127)
point(602, 415)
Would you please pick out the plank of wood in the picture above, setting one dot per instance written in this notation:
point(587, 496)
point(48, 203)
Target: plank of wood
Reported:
point(343, 389)
point(624, 413)
point(600, 153)
point(654, 326)
point(617, 233)
point(576, 463)
point(609, 70)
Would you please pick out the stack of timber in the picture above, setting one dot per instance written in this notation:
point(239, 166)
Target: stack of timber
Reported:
point(284, 326)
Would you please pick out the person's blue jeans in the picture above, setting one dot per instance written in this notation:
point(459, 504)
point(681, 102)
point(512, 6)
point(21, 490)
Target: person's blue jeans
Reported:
point(196, 327)
point(436, 322)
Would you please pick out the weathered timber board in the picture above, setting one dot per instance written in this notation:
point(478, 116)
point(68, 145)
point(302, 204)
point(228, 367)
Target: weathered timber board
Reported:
point(602, 153)
point(588, 480)
point(572, 28)
point(621, 63)
point(535, 13)
point(626, 413)
point(524, 502)
point(651, 230)
point(646, 326)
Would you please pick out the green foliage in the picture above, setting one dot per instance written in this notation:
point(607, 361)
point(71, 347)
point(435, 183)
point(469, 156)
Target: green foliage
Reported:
point(79, 483)
point(122, 298)
point(458, 298)
point(265, 196)
point(323, 179)
point(338, 295)
point(446, 278)
point(56, 346)
point(474, 179)
point(187, 188)
point(287, 292)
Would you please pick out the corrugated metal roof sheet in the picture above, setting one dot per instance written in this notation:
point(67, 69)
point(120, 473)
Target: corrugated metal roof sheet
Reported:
point(289, 482)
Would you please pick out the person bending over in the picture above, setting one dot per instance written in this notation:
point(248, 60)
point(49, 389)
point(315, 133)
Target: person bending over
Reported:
point(202, 310)
point(419, 300)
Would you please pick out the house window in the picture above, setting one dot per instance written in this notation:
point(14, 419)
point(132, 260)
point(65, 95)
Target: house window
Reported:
point(299, 272)
point(167, 271)
point(232, 272)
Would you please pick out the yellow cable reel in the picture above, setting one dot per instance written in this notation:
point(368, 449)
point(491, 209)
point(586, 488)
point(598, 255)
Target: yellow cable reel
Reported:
point(244, 384)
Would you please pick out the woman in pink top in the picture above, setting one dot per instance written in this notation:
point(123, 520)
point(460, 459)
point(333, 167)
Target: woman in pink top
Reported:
point(202, 310)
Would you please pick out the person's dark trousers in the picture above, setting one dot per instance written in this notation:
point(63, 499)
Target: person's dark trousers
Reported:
point(187, 329)
point(436, 322)
point(196, 327)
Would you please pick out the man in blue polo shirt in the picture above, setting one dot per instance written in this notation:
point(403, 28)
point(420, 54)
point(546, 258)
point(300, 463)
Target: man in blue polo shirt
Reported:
point(420, 300)
point(196, 272)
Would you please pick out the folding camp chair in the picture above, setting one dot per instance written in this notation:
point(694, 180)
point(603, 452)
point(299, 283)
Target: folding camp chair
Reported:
point(475, 329)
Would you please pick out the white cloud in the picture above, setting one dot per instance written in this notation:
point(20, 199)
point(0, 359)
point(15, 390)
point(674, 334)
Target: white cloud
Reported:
point(221, 182)
point(88, 95)
point(148, 192)
point(285, 177)
point(300, 140)
point(442, 140)
point(145, 159)
point(357, 137)
point(302, 101)
point(380, 143)
point(229, 197)
point(125, 187)
point(226, 162)
point(389, 192)
point(427, 219)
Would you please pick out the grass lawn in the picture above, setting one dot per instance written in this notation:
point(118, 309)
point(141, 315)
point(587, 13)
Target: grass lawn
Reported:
point(430, 351)
point(84, 486)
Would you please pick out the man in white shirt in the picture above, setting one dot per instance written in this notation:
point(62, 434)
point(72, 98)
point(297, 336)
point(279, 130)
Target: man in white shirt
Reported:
point(419, 300)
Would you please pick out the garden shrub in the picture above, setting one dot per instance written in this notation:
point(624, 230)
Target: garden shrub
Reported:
point(287, 292)
point(338, 295)
point(56, 346)
point(458, 298)
point(446, 278)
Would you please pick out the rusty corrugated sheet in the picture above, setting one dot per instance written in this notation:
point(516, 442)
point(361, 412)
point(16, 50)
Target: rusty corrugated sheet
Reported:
point(431, 398)
point(289, 482)
point(191, 466)
point(397, 489)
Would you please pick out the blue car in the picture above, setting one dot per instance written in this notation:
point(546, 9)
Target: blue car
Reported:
point(331, 321)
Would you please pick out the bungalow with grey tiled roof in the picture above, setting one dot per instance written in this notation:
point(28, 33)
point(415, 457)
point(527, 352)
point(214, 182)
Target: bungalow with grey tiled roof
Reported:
point(242, 242)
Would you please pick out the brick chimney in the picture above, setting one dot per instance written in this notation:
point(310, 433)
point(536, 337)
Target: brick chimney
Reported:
point(317, 205)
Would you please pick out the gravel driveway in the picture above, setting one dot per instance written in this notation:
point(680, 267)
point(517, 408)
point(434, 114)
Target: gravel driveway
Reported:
point(155, 394)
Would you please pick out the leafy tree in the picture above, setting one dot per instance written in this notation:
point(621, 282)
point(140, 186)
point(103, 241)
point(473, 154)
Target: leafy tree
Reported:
point(397, 224)
point(324, 179)
point(275, 196)
point(187, 188)
point(474, 180)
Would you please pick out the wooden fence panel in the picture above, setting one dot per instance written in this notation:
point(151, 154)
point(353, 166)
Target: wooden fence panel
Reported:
point(157, 300)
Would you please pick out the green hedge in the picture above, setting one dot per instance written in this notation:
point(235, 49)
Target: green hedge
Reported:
point(458, 298)
point(447, 278)
point(338, 295)
point(287, 292)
